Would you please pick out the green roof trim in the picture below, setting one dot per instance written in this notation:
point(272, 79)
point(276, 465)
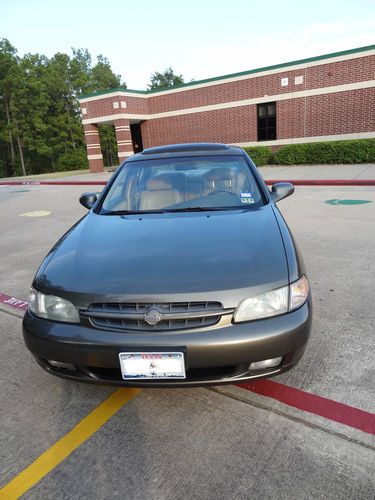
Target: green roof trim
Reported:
point(110, 91)
point(234, 75)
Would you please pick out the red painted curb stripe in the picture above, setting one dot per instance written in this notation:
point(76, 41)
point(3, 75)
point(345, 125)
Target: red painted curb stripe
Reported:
point(296, 182)
point(53, 183)
point(326, 182)
point(13, 301)
point(327, 408)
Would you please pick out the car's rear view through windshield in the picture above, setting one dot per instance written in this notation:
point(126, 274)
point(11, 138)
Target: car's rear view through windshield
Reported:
point(183, 184)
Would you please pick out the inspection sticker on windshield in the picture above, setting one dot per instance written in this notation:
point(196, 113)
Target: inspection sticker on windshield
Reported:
point(247, 198)
point(152, 365)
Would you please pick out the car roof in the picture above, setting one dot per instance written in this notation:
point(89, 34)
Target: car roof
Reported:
point(191, 149)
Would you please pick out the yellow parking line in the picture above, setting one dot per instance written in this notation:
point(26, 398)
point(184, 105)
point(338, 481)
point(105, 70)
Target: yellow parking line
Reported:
point(48, 460)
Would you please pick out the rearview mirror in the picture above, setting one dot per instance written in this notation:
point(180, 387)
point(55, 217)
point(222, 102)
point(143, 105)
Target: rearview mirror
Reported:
point(88, 200)
point(281, 190)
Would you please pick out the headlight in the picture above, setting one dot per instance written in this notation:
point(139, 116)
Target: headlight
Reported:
point(263, 306)
point(51, 307)
point(273, 303)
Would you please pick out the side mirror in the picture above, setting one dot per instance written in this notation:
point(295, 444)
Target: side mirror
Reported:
point(88, 200)
point(281, 190)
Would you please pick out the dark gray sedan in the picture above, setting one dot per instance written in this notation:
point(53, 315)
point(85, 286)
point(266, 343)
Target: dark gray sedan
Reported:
point(182, 273)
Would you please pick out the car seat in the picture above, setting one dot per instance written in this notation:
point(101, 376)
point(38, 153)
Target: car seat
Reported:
point(159, 194)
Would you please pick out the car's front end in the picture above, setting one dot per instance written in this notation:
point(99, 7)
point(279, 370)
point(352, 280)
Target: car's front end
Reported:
point(224, 352)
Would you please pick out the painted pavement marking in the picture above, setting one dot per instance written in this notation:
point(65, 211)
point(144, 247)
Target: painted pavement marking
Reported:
point(337, 201)
point(52, 457)
point(311, 403)
point(36, 213)
point(13, 301)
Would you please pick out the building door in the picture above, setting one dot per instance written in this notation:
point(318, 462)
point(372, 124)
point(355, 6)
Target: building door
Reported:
point(136, 133)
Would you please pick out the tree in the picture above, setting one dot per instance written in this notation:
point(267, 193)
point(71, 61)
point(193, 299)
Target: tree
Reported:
point(165, 79)
point(108, 144)
point(102, 76)
point(8, 62)
point(40, 122)
point(29, 108)
point(80, 71)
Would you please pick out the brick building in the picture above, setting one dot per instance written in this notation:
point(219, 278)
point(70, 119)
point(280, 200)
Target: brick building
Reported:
point(328, 97)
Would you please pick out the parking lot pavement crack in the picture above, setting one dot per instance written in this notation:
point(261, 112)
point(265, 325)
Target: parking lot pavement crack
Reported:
point(12, 313)
point(360, 173)
point(299, 420)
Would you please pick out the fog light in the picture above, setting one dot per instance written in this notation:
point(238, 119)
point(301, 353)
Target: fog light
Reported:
point(266, 363)
point(60, 364)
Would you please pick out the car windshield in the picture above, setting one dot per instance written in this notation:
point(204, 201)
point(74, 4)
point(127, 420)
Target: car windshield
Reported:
point(183, 184)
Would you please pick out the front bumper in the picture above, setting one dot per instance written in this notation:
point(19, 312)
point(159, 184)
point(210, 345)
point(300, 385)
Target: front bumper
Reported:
point(212, 357)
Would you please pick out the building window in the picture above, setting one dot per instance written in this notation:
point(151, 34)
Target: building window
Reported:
point(266, 121)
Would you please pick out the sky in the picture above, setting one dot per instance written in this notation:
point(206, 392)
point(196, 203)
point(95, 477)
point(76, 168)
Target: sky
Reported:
point(198, 39)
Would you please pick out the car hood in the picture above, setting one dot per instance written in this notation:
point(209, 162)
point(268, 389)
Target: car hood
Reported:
point(177, 253)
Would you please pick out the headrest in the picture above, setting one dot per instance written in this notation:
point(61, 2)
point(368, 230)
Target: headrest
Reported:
point(159, 183)
point(220, 174)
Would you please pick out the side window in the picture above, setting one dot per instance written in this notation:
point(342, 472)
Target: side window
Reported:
point(117, 191)
point(266, 116)
point(119, 185)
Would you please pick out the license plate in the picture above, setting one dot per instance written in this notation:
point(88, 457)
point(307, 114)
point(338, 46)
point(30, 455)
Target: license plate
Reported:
point(152, 365)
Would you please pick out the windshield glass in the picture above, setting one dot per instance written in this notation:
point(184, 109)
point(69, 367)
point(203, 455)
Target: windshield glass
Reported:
point(183, 184)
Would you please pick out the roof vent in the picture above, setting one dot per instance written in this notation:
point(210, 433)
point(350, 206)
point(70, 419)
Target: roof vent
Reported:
point(178, 148)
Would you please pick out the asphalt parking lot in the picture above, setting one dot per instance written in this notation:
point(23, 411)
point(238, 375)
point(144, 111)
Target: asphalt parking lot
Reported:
point(225, 442)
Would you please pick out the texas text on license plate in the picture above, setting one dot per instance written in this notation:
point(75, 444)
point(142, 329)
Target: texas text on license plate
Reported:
point(152, 365)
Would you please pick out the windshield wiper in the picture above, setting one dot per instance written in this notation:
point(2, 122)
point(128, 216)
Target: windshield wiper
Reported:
point(200, 209)
point(169, 210)
point(132, 212)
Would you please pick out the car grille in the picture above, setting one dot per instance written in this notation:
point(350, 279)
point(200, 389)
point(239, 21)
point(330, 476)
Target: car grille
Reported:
point(163, 316)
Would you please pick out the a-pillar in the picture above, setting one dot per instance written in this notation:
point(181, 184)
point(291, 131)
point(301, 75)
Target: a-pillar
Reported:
point(94, 153)
point(124, 139)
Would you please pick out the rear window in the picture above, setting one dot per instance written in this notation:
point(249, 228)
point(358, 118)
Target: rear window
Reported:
point(178, 184)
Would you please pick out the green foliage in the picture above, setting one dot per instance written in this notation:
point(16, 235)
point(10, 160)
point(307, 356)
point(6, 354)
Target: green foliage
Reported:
point(259, 154)
point(165, 79)
point(103, 77)
point(40, 123)
point(291, 154)
point(315, 153)
point(352, 151)
point(109, 144)
point(8, 64)
point(3, 167)
point(74, 160)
